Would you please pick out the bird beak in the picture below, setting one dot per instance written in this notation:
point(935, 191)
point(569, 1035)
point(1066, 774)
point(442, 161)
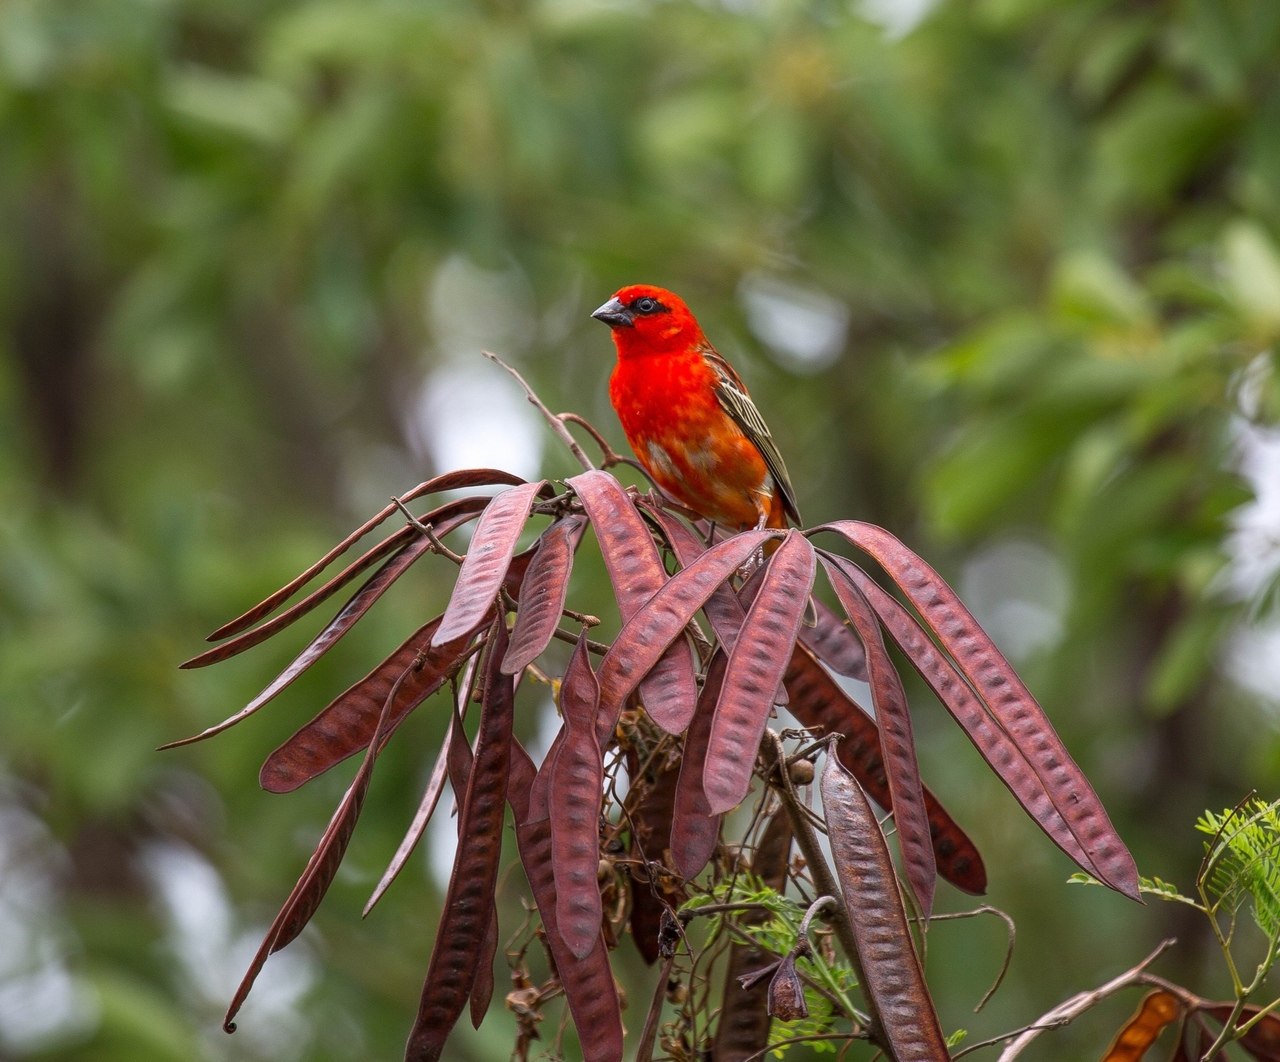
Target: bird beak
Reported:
point(615, 315)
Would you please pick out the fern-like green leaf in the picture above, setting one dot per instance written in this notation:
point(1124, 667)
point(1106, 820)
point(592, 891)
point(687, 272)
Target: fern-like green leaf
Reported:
point(1243, 861)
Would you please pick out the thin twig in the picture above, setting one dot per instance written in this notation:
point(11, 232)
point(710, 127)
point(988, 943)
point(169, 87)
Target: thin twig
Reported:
point(688, 914)
point(1008, 953)
point(556, 423)
point(823, 878)
point(1072, 1008)
point(810, 1039)
point(812, 913)
point(644, 1052)
point(586, 619)
point(608, 455)
point(1008, 1036)
point(427, 531)
point(571, 637)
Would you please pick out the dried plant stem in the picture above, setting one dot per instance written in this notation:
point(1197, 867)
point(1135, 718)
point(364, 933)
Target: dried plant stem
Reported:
point(1072, 1008)
point(811, 914)
point(647, 1038)
point(556, 423)
point(610, 456)
point(426, 530)
point(689, 914)
point(823, 878)
point(1008, 951)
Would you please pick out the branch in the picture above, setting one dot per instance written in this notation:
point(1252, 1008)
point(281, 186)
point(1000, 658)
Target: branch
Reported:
point(1008, 951)
point(1072, 1008)
point(609, 455)
point(427, 530)
point(644, 1053)
point(823, 878)
point(556, 422)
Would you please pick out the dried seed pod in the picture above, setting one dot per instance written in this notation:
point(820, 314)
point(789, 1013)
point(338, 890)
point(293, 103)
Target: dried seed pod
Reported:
point(543, 592)
point(818, 701)
point(404, 548)
point(786, 992)
point(1156, 1011)
point(646, 636)
point(668, 934)
point(1007, 698)
point(589, 987)
point(469, 900)
point(460, 480)
point(576, 780)
point(893, 980)
point(667, 685)
point(1005, 756)
point(756, 665)
point(346, 724)
point(488, 557)
point(695, 829)
point(897, 745)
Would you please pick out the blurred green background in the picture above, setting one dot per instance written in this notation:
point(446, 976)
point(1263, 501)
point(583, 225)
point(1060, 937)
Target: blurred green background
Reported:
point(1004, 276)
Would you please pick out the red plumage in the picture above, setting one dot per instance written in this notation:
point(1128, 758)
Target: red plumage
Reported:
point(687, 414)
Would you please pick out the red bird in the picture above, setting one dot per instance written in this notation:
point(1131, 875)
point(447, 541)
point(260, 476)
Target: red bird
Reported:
point(688, 416)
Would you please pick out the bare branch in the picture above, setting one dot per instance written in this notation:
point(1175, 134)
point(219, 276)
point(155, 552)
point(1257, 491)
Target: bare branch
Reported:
point(1008, 952)
point(1072, 1008)
point(555, 422)
point(609, 456)
point(426, 530)
point(820, 869)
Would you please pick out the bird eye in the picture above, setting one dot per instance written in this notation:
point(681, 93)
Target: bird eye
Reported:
point(645, 305)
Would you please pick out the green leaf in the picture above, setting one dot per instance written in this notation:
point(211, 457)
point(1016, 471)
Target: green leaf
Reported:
point(1253, 275)
point(1243, 861)
point(246, 107)
point(1090, 289)
point(1185, 659)
point(1158, 136)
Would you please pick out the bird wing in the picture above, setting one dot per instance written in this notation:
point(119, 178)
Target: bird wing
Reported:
point(733, 398)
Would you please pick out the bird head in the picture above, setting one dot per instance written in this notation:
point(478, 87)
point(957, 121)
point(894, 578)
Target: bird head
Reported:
point(648, 319)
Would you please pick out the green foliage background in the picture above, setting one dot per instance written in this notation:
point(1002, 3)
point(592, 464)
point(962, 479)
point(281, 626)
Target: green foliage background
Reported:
point(1024, 257)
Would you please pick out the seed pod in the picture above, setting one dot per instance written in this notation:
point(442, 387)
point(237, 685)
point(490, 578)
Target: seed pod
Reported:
point(754, 672)
point(894, 982)
point(896, 742)
point(786, 992)
point(1156, 1011)
point(667, 685)
point(543, 592)
point(487, 560)
point(589, 987)
point(695, 829)
point(576, 781)
point(818, 701)
point(470, 477)
point(469, 900)
point(1007, 698)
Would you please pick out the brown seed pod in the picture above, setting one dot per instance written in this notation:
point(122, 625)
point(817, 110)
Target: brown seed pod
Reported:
point(786, 992)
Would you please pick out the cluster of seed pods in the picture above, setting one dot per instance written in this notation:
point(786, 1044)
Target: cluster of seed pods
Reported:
point(771, 644)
